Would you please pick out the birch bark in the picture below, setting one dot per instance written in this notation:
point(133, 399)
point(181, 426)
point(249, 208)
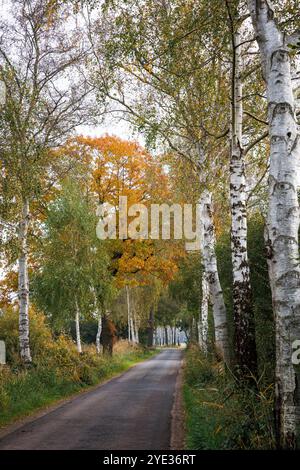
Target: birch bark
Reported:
point(23, 285)
point(129, 315)
point(98, 336)
point(242, 296)
point(135, 328)
point(151, 327)
point(283, 216)
point(77, 325)
point(203, 317)
point(212, 276)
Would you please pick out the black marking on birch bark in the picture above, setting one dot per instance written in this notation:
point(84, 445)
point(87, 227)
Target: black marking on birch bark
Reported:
point(284, 240)
point(293, 209)
point(281, 55)
point(283, 186)
point(211, 277)
point(276, 139)
point(290, 279)
point(277, 109)
point(296, 141)
point(240, 204)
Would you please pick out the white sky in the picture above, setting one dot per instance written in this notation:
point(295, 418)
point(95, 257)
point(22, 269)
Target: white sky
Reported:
point(119, 128)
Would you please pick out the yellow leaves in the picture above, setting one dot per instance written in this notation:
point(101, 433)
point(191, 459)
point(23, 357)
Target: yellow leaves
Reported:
point(218, 429)
point(211, 404)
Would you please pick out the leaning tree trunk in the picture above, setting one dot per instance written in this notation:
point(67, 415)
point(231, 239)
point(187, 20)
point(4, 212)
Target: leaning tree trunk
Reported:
point(203, 317)
point(211, 272)
point(242, 296)
point(23, 286)
point(77, 325)
point(283, 215)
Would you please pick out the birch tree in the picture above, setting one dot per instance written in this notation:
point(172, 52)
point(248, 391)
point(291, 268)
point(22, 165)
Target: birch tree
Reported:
point(42, 108)
point(242, 293)
point(283, 211)
point(211, 276)
point(72, 262)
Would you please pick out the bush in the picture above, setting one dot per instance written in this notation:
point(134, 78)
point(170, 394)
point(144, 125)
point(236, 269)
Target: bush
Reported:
point(40, 334)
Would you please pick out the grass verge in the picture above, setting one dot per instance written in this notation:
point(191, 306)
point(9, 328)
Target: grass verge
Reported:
point(220, 413)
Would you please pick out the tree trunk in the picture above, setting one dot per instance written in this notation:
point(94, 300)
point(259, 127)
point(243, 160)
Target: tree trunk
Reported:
point(135, 328)
point(242, 295)
point(77, 324)
point(130, 338)
point(203, 317)
point(132, 329)
point(151, 328)
point(208, 242)
point(166, 336)
point(23, 286)
point(98, 336)
point(283, 216)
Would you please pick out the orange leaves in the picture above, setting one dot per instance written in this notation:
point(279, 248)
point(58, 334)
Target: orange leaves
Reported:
point(119, 168)
point(8, 289)
point(114, 167)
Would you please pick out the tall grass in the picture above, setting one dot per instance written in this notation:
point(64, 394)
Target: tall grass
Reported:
point(220, 412)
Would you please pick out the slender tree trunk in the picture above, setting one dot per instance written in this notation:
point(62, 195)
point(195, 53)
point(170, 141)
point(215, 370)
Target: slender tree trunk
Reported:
point(98, 336)
point(151, 327)
point(132, 327)
point(135, 328)
point(77, 325)
point(23, 286)
point(130, 338)
point(283, 216)
point(242, 295)
point(212, 276)
point(203, 317)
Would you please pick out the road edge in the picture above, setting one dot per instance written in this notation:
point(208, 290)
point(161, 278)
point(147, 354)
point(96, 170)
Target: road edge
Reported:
point(177, 441)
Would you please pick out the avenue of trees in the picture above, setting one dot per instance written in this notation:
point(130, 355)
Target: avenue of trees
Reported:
point(213, 87)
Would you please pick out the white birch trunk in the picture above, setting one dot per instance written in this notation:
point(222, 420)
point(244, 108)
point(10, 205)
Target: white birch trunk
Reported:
point(129, 320)
point(98, 336)
point(203, 317)
point(132, 332)
point(23, 286)
point(135, 328)
point(283, 216)
point(77, 325)
point(208, 242)
point(242, 297)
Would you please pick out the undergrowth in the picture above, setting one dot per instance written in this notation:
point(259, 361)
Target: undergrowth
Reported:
point(220, 412)
point(57, 371)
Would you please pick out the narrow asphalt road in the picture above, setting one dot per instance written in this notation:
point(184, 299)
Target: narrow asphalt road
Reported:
point(132, 411)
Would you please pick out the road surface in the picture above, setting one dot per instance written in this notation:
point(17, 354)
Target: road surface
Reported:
point(132, 411)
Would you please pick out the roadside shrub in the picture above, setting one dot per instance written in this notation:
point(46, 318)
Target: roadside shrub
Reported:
point(40, 333)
